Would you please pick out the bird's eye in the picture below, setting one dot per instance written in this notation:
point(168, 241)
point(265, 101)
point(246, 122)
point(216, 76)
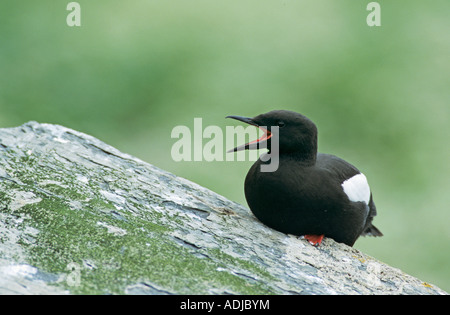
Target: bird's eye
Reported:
point(280, 124)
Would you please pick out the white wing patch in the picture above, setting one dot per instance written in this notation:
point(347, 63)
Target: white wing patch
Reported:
point(357, 188)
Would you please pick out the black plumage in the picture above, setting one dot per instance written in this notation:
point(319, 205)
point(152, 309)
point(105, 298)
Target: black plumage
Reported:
point(310, 193)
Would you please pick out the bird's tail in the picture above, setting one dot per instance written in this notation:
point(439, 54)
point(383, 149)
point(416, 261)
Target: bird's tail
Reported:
point(371, 230)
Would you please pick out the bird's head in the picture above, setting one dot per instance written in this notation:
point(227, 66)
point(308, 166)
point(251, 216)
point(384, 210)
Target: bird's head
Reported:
point(296, 133)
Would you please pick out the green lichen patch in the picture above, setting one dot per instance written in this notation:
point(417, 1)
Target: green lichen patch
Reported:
point(97, 242)
point(109, 262)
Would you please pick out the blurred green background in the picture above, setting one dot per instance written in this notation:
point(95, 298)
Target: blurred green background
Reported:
point(135, 69)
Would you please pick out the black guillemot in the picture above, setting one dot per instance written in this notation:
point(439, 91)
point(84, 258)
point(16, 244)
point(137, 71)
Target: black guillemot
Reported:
point(310, 194)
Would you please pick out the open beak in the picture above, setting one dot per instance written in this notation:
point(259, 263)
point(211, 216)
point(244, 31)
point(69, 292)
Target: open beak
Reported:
point(256, 144)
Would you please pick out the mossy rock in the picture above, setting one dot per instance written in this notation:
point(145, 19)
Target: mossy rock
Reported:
point(77, 216)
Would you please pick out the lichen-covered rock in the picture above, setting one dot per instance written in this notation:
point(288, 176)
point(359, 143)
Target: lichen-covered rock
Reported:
point(78, 216)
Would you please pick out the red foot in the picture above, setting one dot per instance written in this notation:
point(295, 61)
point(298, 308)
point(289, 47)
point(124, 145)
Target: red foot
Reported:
point(314, 240)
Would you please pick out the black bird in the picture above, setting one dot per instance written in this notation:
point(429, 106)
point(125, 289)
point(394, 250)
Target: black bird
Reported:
point(310, 194)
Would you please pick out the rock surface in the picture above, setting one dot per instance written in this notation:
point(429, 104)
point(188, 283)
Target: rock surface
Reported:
point(78, 216)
